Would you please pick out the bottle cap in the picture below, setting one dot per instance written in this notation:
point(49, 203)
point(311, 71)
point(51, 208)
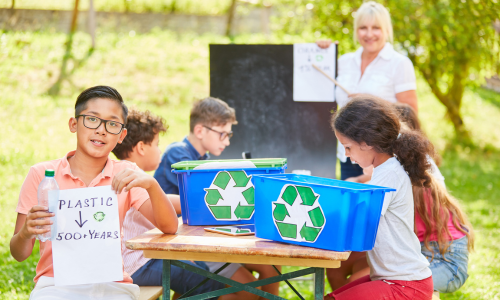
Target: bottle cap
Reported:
point(50, 172)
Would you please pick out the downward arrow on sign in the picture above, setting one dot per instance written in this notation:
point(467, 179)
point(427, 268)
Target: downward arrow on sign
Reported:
point(80, 224)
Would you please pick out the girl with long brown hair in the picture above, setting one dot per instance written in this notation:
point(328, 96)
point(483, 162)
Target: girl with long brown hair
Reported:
point(445, 234)
point(369, 129)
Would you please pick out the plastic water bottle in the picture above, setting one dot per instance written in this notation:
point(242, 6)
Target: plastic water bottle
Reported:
point(49, 183)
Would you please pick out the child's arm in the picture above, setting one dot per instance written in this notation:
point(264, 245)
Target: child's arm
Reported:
point(176, 202)
point(363, 178)
point(21, 244)
point(159, 209)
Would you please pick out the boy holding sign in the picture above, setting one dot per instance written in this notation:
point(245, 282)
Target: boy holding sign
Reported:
point(99, 124)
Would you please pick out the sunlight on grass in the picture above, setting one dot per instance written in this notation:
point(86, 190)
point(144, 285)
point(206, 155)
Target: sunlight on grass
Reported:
point(165, 72)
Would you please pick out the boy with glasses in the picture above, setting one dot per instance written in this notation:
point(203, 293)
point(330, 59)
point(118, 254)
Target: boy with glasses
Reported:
point(210, 124)
point(99, 124)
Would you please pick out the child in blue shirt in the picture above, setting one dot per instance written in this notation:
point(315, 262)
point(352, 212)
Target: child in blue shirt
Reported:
point(210, 124)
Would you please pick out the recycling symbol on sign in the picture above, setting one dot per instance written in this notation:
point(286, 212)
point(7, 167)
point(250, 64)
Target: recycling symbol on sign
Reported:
point(231, 196)
point(297, 214)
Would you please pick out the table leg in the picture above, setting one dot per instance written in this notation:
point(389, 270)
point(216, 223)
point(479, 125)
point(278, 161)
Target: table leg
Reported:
point(166, 279)
point(319, 283)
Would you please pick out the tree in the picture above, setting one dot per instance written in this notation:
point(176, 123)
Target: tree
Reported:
point(452, 43)
point(64, 74)
point(230, 18)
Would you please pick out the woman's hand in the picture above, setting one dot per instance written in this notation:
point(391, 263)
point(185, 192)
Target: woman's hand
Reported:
point(324, 44)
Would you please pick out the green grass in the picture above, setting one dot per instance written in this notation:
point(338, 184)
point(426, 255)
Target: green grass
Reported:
point(166, 72)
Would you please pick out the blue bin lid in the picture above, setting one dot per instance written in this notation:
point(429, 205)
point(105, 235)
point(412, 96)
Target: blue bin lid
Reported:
point(320, 181)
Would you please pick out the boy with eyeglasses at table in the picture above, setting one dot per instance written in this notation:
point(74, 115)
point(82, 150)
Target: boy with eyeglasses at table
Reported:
point(99, 124)
point(210, 124)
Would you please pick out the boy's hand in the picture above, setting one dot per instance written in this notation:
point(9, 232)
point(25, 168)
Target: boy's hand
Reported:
point(30, 230)
point(128, 179)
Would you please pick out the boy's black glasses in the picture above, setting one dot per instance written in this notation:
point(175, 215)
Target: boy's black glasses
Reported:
point(93, 122)
point(223, 135)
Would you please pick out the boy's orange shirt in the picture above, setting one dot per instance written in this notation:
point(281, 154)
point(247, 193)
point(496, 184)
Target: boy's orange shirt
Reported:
point(28, 198)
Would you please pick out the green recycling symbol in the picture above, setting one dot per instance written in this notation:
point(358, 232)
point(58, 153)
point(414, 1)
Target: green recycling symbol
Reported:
point(297, 214)
point(231, 196)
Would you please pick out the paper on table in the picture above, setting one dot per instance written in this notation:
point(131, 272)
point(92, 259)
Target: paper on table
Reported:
point(86, 243)
point(308, 84)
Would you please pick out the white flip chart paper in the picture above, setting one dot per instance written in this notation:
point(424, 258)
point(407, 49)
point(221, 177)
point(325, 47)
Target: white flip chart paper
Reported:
point(86, 243)
point(308, 84)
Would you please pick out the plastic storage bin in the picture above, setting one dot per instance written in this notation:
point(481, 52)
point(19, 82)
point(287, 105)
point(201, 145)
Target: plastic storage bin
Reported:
point(221, 196)
point(317, 212)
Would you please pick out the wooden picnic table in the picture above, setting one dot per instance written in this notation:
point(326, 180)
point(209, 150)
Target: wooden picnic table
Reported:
point(194, 243)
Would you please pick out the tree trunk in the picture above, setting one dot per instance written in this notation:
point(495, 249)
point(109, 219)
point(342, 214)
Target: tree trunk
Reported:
point(173, 7)
point(453, 112)
point(56, 88)
point(452, 97)
point(127, 8)
point(92, 24)
point(452, 100)
point(230, 18)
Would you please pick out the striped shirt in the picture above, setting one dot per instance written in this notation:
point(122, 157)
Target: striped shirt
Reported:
point(134, 224)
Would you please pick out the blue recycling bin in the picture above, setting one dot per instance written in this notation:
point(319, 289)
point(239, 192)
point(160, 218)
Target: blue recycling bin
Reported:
point(317, 212)
point(222, 196)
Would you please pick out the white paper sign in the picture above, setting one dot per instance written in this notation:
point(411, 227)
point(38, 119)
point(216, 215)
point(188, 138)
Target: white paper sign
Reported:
point(308, 83)
point(86, 237)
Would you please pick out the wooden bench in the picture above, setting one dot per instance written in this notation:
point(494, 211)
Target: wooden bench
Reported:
point(150, 292)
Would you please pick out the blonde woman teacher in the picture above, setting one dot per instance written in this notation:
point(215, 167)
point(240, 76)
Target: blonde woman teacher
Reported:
point(375, 68)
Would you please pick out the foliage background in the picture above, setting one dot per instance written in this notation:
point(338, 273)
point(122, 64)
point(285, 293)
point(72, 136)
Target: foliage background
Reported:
point(165, 72)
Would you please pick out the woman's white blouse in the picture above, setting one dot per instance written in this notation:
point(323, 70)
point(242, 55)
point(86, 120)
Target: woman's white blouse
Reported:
point(388, 74)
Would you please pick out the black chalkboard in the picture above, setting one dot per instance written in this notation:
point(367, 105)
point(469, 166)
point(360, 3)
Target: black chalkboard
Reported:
point(257, 81)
